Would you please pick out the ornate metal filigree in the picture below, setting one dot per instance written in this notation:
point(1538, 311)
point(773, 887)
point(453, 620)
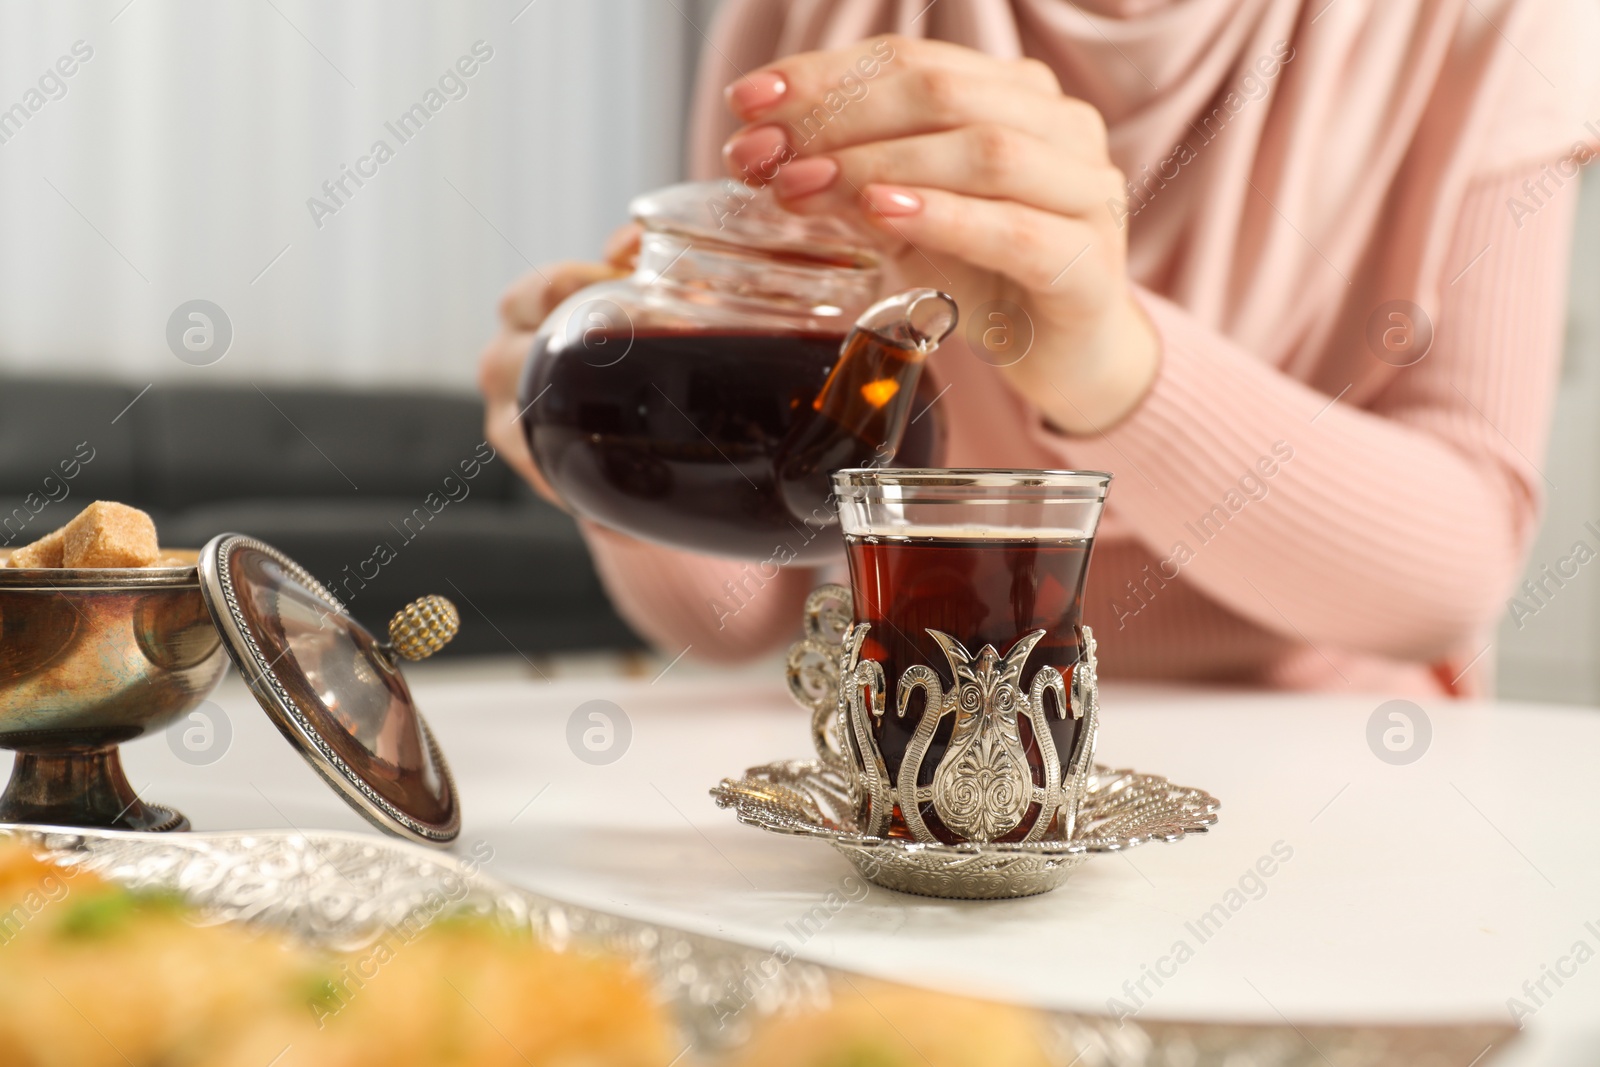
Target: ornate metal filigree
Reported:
point(423, 627)
point(980, 792)
point(984, 786)
point(1085, 702)
point(814, 668)
point(861, 702)
point(1120, 809)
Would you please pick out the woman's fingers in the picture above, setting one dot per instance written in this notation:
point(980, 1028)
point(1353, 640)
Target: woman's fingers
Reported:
point(995, 162)
point(498, 375)
point(525, 304)
point(531, 297)
point(905, 107)
point(811, 75)
point(1038, 250)
point(912, 98)
point(500, 365)
point(622, 247)
point(523, 307)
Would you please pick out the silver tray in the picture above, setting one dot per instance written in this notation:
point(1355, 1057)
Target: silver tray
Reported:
point(344, 890)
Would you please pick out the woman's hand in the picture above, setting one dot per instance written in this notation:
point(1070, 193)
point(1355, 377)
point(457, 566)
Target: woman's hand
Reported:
point(523, 307)
point(979, 177)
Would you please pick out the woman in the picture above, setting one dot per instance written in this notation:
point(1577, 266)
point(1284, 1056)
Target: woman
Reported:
point(1294, 271)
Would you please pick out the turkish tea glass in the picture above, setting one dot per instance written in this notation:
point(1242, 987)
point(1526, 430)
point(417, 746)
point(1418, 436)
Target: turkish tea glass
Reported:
point(968, 711)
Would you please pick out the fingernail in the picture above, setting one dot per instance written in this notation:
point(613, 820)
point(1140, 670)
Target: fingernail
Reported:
point(755, 152)
point(805, 176)
point(893, 201)
point(755, 93)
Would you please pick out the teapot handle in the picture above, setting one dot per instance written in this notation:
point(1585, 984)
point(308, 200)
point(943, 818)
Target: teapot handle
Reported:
point(916, 318)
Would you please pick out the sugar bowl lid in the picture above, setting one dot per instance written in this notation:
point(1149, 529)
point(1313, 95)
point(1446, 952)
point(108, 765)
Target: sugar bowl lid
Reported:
point(332, 688)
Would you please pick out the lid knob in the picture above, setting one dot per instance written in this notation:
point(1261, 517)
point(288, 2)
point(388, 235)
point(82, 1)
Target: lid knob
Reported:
point(423, 627)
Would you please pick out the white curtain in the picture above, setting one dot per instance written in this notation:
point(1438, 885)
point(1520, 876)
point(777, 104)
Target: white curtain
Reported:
point(176, 163)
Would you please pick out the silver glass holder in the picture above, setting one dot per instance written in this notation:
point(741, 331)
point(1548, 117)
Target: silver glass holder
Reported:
point(981, 790)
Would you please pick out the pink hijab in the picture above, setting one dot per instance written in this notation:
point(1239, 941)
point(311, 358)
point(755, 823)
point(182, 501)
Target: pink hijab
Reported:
point(1299, 199)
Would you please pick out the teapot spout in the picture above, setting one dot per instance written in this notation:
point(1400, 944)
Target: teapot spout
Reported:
point(868, 392)
point(917, 319)
point(859, 416)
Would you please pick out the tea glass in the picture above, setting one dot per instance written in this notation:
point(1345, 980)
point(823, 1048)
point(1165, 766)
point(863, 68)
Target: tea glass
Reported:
point(967, 591)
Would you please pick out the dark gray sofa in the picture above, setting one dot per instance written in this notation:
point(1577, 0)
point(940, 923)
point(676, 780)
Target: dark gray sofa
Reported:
point(328, 477)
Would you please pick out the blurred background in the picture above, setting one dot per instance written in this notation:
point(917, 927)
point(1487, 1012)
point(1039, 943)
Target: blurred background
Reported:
point(203, 151)
point(196, 153)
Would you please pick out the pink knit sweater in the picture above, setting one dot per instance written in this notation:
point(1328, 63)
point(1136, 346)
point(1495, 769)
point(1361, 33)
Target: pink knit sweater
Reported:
point(1260, 530)
point(1376, 555)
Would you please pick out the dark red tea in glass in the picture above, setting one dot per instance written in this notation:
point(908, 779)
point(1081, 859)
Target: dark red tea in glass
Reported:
point(978, 577)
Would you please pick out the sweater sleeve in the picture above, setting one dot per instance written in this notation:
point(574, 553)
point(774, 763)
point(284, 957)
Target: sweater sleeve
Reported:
point(1394, 528)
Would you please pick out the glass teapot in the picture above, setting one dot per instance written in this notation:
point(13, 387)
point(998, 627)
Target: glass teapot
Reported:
point(704, 401)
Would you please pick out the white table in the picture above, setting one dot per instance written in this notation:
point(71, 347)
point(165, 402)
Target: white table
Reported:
point(1424, 893)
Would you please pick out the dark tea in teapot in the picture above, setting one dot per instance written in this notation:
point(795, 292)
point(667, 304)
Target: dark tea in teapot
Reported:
point(683, 438)
point(703, 401)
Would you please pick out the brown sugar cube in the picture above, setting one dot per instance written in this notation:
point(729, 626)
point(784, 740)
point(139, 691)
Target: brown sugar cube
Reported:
point(107, 534)
point(45, 552)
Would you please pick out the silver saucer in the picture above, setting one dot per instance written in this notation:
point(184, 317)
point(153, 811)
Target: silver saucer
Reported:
point(1121, 809)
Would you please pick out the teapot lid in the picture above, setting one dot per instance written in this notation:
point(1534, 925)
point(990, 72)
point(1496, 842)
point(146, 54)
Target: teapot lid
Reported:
point(332, 688)
point(728, 212)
